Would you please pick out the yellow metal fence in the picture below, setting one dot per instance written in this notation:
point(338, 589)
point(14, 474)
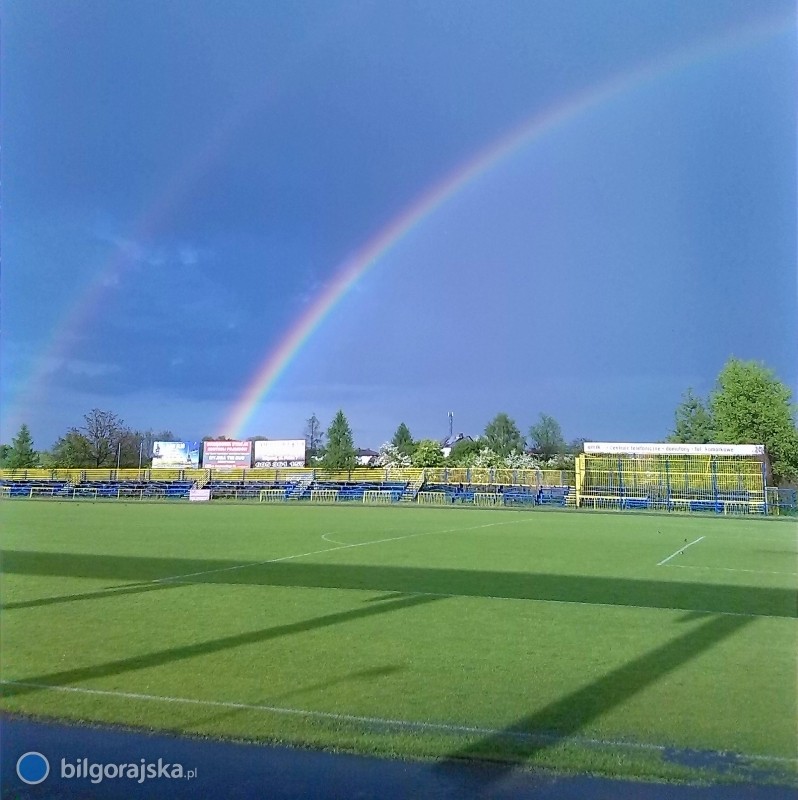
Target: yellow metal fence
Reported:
point(474, 476)
point(673, 482)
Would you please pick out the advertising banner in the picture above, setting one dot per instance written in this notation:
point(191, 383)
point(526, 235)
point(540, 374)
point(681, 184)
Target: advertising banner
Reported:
point(673, 449)
point(280, 453)
point(230, 454)
point(175, 455)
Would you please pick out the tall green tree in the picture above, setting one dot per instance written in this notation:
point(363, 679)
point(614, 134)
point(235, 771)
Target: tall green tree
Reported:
point(694, 423)
point(403, 440)
point(750, 405)
point(503, 436)
point(72, 450)
point(427, 454)
point(22, 455)
point(339, 454)
point(546, 437)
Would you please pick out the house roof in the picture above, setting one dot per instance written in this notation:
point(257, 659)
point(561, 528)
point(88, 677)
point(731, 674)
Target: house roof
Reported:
point(450, 441)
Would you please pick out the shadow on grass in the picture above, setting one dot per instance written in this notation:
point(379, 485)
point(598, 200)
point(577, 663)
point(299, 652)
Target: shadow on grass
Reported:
point(564, 718)
point(351, 677)
point(359, 676)
point(587, 589)
point(99, 594)
point(172, 654)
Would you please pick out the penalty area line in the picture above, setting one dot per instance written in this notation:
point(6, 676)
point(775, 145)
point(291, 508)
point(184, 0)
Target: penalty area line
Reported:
point(331, 541)
point(439, 727)
point(327, 550)
point(679, 551)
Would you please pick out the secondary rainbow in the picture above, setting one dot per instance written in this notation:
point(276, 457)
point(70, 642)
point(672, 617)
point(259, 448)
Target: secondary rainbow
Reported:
point(530, 131)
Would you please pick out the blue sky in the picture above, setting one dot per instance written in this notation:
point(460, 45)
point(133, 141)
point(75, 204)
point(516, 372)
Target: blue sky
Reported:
point(200, 170)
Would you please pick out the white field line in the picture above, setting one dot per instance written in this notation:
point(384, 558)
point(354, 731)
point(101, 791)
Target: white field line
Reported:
point(679, 551)
point(331, 541)
point(734, 569)
point(376, 721)
point(330, 550)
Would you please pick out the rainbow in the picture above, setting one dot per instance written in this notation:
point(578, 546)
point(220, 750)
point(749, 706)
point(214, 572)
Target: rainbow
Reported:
point(83, 311)
point(530, 131)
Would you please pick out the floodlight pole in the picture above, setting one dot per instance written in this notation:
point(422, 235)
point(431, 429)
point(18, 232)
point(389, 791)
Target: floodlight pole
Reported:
point(118, 454)
point(141, 448)
point(451, 424)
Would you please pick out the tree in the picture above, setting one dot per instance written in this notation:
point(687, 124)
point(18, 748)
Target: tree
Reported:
point(693, 421)
point(339, 454)
point(463, 452)
point(5, 452)
point(131, 449)
point(503, 436)
point(521, 461)
point(314, 436)
point(391, 456)
point(487, 458)
point(546, 437)
point(73, 449)
point(148, 440)
point(21, 454)
point(103, 430)
point(577, 446)
point(403, 441)
point(750, 405)
point(427, 454)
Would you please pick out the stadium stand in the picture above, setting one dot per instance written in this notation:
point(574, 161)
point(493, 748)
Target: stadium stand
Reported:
point(689, 483)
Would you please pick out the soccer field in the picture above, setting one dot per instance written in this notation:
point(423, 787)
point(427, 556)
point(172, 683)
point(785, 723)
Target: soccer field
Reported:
point(618, 644)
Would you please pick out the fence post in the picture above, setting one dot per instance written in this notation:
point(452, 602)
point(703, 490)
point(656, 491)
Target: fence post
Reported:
point(668, 483)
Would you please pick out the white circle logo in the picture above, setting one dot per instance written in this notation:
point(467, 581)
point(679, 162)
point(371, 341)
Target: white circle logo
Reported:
point(32, 768)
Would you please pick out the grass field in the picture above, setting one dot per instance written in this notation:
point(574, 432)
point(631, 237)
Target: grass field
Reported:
point(581, 642)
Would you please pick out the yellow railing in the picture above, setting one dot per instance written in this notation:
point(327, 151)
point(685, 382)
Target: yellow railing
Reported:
point(501, 477)
point(474, 476)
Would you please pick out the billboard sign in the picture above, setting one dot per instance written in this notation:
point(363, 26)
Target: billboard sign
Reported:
point(175, 455)
point(280, 453)
point(231, 454)
point(673, 449)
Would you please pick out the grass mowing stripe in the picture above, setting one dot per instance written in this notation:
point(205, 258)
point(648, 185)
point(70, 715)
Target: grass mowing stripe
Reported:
point(681, 550)
point(172, 578)
point(375, 721)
